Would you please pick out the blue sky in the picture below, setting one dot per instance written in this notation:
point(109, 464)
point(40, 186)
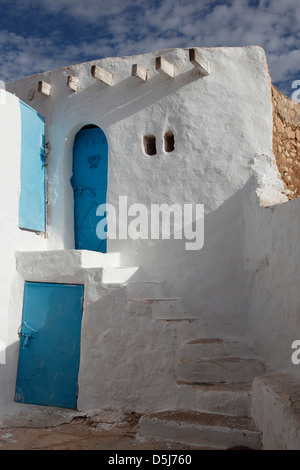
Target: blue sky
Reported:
point(42, 35)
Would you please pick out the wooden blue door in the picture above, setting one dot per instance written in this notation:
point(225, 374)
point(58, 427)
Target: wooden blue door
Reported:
point(50, 345)
point(32, 201)
point(89, 182)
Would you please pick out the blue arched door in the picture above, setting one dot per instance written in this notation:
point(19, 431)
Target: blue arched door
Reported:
point(89, 182)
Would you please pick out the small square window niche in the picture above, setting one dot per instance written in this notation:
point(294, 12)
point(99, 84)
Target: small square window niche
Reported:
point(150, 144)
point(169, 141)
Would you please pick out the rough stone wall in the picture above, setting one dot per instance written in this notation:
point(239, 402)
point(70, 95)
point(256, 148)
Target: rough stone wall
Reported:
point(286, 141)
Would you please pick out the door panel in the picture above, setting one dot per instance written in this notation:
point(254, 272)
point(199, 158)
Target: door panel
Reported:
point(86, 203)
point(50, 344)
point(89, 182)
point(32, 201)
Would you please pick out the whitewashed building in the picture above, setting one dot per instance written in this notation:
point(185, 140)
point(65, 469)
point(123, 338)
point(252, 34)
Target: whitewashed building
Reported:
point(150, 324)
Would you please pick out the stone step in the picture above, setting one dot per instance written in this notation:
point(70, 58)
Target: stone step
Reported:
point(230, 399)
point(216, 370)
point(92, 259)
point(145, 307)
point(59, 265)
point(118, 275)
point(275, 408)
point(212, 348)
point(166, 308)
point(144, 290)
point(180, 320)
point(201, 429)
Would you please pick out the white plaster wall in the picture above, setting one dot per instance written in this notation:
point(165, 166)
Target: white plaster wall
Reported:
point(220, 122)
point(11, 238)
point(272, 263)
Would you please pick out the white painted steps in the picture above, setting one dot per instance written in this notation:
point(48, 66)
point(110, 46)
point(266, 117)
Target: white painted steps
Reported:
point(118, 275)
point(214, 396)
point(229, 399)
point(216, 360)
point(227, 370)
point(163, 307)
point(212, 347)
point(92, 259)
point(167, 309)
point(216, 375)
point(201, 429)
point(144, 290)
point(213, 377)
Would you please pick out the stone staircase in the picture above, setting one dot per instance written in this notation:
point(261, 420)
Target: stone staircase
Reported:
point(216, 375)
point(214, 378)
point(214, 383)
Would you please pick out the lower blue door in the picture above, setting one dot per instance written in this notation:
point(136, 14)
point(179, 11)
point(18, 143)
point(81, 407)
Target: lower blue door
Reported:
point(50, 345)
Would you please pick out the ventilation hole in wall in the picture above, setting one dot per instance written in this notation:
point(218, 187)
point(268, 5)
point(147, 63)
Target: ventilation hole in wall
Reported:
point(169, 141)
point(150, 144)
point(31, 94)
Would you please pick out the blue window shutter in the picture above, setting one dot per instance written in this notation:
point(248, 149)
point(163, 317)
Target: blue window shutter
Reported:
point(32, 202)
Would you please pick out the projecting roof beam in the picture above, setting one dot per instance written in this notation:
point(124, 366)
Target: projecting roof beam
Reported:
point(164, 67)
point(44, 88)
point(73, 83)
point(198, 61)
point(102, 75)
point(139, 72)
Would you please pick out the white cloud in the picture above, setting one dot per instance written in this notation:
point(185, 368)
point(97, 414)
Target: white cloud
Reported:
point(125, 27)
